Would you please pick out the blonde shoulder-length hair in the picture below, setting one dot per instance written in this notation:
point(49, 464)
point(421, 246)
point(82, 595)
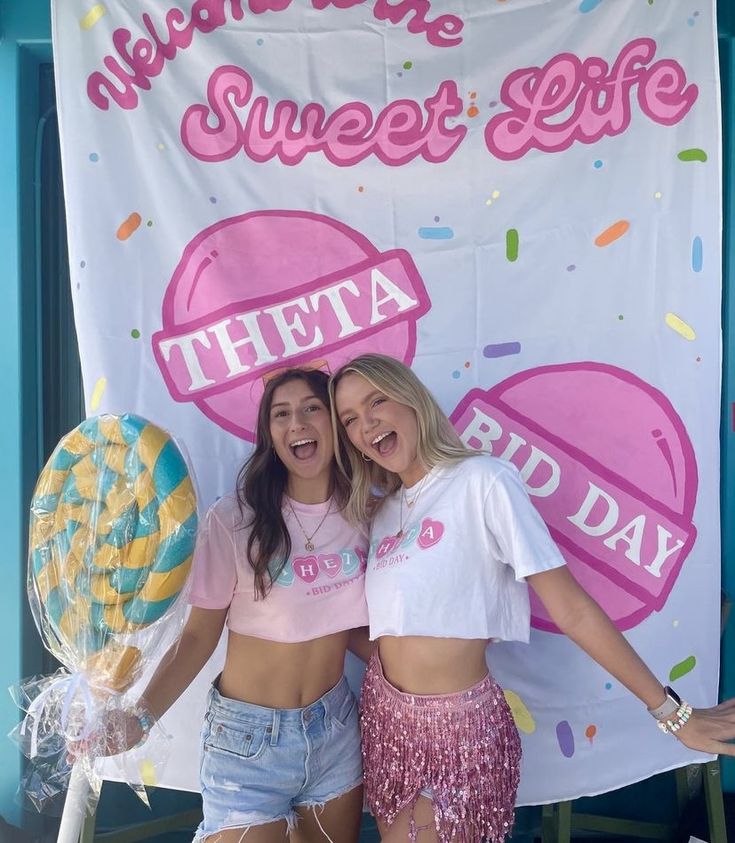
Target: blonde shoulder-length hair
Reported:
point(438, 442)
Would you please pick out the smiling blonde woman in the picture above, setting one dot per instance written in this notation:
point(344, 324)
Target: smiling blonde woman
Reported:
point(455, 542)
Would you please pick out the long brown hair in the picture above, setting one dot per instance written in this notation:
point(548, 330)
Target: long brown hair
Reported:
point(437, 441)
point(262, 481)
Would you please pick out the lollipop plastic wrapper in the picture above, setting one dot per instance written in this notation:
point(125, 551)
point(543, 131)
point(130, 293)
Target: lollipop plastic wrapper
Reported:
point(112, 531)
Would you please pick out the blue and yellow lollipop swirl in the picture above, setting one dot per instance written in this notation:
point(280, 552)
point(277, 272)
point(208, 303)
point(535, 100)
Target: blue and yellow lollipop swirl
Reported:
point(112, 533)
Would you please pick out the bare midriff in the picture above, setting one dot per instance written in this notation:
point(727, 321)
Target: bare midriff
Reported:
point(422, 665)
point(278, 675)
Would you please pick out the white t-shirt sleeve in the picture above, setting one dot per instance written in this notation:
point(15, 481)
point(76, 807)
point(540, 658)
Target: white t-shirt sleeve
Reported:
point(519, 533)
point(214, 575)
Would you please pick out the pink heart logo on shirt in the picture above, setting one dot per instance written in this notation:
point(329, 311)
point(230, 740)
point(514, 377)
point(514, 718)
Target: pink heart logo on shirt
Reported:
point(306, 568)
point(330, 563)
point(386, 546)
point(431, 533)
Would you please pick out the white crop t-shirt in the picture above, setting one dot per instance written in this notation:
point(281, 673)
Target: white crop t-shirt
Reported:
point(458, 570)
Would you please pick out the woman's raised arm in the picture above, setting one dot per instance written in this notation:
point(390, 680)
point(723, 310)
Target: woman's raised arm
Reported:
point(583, 621)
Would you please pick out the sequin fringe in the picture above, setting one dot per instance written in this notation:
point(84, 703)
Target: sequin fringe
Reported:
point(464, 747)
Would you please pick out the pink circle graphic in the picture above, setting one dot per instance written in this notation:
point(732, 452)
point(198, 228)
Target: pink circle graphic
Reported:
point(610, 467)
point(266, 290)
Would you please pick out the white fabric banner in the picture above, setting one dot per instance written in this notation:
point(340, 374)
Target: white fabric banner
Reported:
point(520, 199)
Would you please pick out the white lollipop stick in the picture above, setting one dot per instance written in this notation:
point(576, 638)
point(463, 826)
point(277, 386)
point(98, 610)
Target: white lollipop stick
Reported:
point(75, 806)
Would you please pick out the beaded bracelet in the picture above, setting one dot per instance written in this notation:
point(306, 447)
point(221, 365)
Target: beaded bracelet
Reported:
point(146, 720)
point(673, 725)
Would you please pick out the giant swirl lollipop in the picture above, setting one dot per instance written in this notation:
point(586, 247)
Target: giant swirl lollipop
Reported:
point(112, 532)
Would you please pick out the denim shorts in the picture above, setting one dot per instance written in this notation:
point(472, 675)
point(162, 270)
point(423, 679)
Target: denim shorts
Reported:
point(258, 764)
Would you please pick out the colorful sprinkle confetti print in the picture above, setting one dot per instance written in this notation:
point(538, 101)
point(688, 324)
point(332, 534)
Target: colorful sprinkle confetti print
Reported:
point(436, 233)
point(148, 773)
point(697, 255)
point(588, 5)
point(693, 154)
point(501, 349)
point(129, 227)
point(521, 715)
point(681, 669)
point(680, 326)
point(512, 242)
point(565, 738)
point(97, 12)
point(473, 110)
point(612, 233)
point(97, 393)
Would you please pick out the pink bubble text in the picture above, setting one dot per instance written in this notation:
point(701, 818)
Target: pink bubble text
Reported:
point(572, 100)
point(135, 64)
point(398, 133)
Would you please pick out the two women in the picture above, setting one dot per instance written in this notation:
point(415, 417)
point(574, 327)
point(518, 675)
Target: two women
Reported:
point(454, 541)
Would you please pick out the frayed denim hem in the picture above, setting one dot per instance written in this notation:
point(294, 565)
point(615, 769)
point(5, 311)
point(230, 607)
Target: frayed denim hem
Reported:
point(317, 806)
point(320, 803)
point(211, 836)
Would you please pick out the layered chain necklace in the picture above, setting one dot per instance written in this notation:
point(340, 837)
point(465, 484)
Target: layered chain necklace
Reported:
point(409, 504)
point(308, 544)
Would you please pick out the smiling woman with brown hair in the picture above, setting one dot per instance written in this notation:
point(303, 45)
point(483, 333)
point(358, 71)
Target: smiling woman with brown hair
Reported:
point(280, 564)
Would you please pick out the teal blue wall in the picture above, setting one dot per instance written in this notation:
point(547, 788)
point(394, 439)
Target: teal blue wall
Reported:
point(24, 42)
point(726, 20)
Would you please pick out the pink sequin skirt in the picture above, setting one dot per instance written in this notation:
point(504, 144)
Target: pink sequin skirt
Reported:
point(463, 748)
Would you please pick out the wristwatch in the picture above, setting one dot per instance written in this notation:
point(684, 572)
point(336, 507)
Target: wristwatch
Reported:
point(668, 707)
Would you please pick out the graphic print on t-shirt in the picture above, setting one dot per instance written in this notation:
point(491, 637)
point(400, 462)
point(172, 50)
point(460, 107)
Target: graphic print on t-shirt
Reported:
point(393, 550)
point(328, 570)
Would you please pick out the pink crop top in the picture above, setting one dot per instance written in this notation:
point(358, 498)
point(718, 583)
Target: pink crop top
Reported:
point(318, 592)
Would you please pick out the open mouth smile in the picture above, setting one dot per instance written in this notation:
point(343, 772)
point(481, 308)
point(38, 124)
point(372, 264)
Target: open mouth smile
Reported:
point(384, 443)
point(303, 449)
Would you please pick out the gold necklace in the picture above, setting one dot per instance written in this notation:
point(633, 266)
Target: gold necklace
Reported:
point(409, 504)
point(309, 544)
